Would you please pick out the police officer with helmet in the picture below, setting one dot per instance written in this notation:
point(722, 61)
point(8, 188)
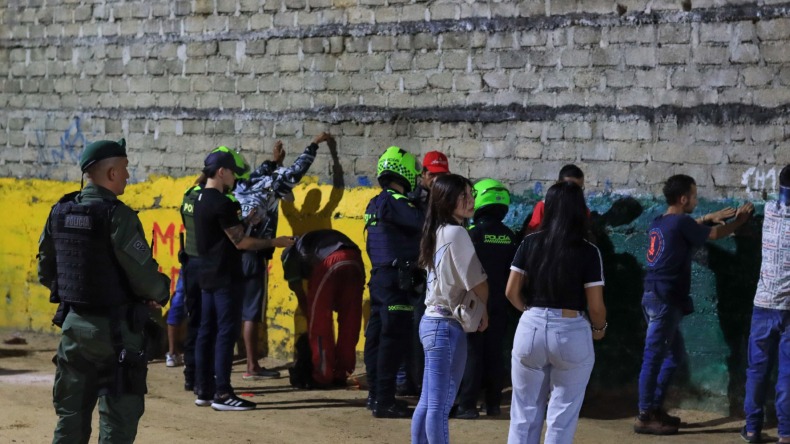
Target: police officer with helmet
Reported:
point(94, 258)
point(495, 246)
point(394, 226)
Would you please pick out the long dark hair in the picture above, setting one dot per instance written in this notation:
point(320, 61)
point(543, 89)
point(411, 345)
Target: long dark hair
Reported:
point(441, 206)
point(553, 255)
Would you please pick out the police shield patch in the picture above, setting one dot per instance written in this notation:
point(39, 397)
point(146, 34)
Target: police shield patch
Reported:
point(138, 249)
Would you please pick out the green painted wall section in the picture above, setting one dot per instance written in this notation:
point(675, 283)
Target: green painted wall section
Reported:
point(725, 276)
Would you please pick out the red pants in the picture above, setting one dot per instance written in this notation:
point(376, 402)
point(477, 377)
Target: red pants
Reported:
point(336, 284)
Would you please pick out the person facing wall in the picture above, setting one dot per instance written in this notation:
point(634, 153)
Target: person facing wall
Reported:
point(769, 337)
point(560, 275)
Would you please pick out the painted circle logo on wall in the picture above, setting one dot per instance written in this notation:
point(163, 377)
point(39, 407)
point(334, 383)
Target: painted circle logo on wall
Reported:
point(656, 246)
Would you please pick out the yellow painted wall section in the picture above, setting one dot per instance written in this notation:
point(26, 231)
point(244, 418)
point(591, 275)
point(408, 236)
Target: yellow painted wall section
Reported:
point(25, 205)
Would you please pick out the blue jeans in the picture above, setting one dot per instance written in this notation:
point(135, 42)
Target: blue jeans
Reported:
point(220, 322)
point(769, 339)
point(664, 350)
point(551, 363)
point(444, 342)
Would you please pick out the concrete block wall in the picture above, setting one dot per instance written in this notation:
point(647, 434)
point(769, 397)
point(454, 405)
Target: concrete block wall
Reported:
point(632, 90)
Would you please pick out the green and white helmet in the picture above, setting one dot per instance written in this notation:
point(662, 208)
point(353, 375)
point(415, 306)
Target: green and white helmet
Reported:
point(398, 162)
point(490, 192)
point(240, 162)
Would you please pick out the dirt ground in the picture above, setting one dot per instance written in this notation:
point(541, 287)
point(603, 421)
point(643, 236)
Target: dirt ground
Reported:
point(286, 415)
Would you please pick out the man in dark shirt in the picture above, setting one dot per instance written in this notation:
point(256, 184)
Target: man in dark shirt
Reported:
point(220, 235)
point(495, 247)
point(325, 271)
point(673, 237)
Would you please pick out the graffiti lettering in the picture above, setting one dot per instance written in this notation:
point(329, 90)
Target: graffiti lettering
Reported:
point(166, 237)
point(758, 180)
point(72, 141)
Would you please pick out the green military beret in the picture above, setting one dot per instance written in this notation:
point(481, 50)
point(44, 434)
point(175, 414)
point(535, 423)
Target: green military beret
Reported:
point(100, 150)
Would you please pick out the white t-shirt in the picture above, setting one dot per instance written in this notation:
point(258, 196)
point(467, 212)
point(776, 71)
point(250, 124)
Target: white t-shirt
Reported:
point(773, 288)
point(457, 270)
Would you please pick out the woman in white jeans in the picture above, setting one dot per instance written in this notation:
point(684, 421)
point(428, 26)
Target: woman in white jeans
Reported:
point(555, 277)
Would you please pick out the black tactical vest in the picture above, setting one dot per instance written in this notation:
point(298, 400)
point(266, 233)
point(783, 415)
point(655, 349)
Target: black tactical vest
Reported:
point(88, 275)
point(387, 242)
point(188, 217)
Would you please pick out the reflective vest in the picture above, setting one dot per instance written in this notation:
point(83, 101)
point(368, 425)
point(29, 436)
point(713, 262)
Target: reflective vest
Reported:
point(387, 242)
point(188, 217)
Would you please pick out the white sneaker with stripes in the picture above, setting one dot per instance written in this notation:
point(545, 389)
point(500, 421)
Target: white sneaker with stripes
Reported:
point(232, 403)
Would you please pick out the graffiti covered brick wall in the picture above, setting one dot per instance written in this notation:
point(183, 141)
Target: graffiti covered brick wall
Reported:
point(632, 90)
point(725, 275)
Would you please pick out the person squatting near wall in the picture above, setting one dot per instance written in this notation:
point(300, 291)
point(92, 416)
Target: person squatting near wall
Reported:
point(495, 247)
point(220, 233)
point(324, 269)
point(259, 193)
point(769, 337)
point(94, 258)
point(393, 224)
point(561, 275)
point(447, 253)
point(672, 237)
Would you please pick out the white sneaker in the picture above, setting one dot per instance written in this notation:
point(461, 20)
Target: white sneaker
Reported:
point(171, 360)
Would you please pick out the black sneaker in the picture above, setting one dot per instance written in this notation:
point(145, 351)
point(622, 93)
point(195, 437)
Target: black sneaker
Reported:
point(648, 423)
point(753, 438)
point(396, 410)
point(406, 390)
point(232, 403)
point(371, 402)
point(494, 410)
point(463, 413)
point(667, 418)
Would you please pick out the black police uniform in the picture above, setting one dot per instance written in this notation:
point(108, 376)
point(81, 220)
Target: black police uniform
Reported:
point(495, 247)
point(190, 273)
point(394, 226)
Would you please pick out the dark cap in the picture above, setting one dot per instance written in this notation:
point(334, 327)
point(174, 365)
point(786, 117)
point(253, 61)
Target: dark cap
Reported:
point(221, 159)
point(100, 150)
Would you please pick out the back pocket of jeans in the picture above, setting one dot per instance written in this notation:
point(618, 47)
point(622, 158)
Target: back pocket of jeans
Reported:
point(524, 340)
point(428, 333)
point(575, 345)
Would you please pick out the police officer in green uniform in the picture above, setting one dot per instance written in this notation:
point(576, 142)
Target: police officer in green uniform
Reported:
point(94, 258)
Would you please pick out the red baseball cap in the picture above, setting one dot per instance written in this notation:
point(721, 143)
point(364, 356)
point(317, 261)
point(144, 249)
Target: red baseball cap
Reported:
point(435, 162)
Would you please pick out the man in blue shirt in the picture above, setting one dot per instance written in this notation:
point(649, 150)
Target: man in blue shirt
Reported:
point(673, 237)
